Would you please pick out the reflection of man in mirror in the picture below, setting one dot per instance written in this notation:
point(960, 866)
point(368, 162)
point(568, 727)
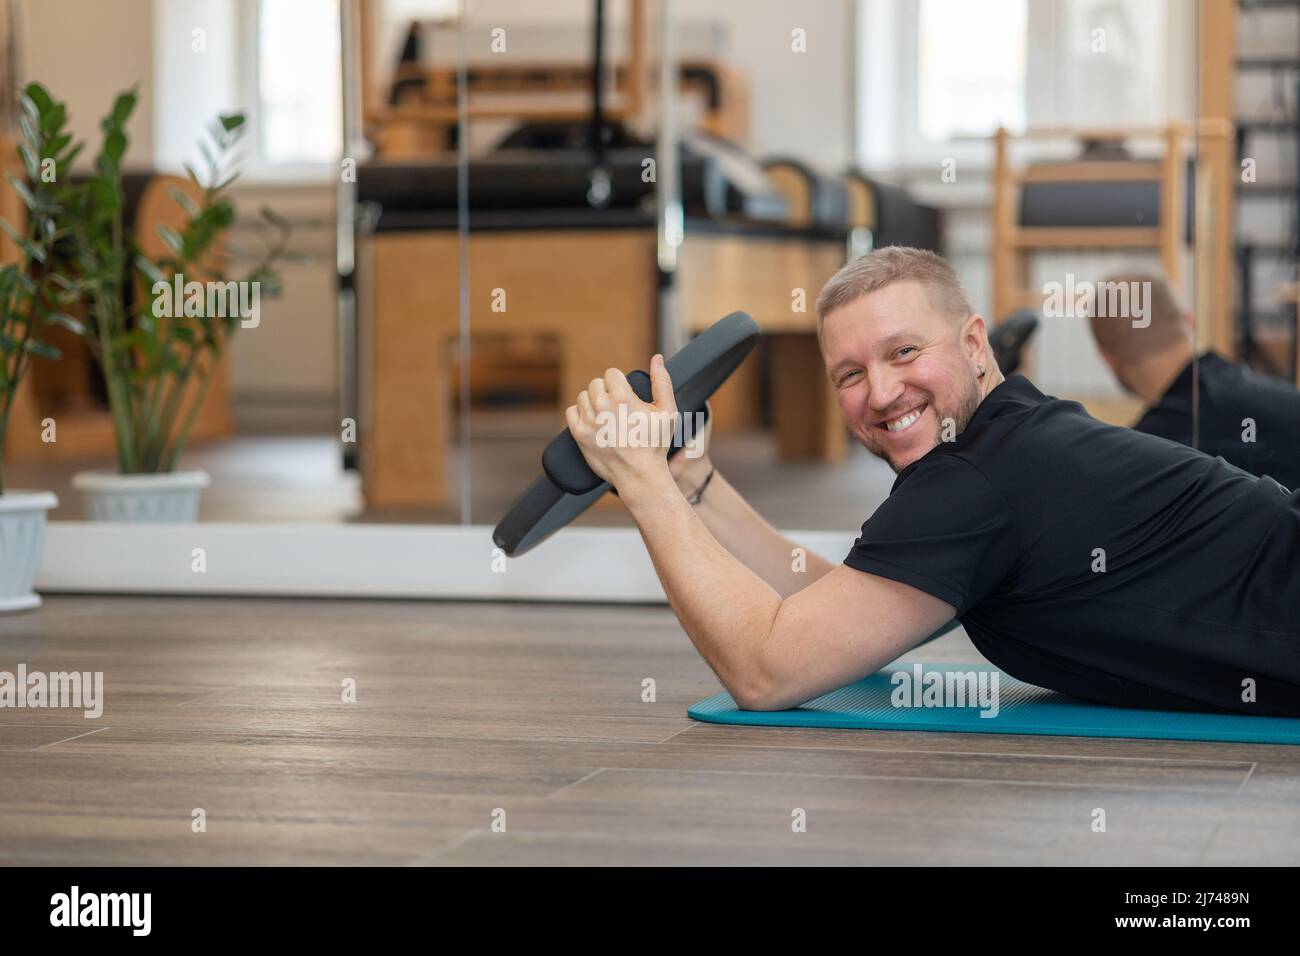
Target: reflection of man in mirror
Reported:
point(1082, 557)
point(1253, 421)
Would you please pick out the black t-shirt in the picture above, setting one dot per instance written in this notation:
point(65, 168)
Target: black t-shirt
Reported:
point(1227, 395)
point(1097, 561)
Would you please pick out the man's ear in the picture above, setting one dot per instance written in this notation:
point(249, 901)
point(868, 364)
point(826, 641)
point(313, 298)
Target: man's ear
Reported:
point(1108, 359)
point(1113, 364)
point(975, 340)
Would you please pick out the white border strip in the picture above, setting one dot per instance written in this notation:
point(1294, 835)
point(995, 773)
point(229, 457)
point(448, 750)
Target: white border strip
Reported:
point(353, 560)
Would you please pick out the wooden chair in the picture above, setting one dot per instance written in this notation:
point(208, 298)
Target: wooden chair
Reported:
point(1014, 244)
point(1208, 141)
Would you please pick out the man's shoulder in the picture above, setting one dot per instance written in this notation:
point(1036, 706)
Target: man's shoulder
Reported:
point(1056, 441)
point(1167, 419)
point(1274, 393)
point(1014, 419)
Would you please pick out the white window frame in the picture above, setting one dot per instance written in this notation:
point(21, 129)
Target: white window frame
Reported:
point(968, 151)
point(889, 136)
point(256, 168)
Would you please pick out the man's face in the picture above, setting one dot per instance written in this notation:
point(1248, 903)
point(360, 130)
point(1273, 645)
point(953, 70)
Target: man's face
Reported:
point(900, 370)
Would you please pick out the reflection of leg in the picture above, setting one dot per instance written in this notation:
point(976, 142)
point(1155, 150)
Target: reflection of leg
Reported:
point(411, 318)
point(736, 403)
point(807, 418)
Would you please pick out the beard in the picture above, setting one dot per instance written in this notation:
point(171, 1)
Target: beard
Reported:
point(960, 411)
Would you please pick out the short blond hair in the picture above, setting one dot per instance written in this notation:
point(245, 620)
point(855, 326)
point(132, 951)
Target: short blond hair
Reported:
point(882, 267)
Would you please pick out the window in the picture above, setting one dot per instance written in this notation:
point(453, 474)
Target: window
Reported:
point(935, 78)
point(299, 82)
point(970, 67)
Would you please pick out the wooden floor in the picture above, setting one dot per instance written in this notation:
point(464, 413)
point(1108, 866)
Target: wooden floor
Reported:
point(234, 706)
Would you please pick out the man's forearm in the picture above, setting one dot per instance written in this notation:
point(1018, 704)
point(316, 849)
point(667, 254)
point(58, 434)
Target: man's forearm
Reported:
point(744, 532)
point(725, 607)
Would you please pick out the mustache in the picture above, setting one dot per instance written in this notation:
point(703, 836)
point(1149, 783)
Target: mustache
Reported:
point(904, 404)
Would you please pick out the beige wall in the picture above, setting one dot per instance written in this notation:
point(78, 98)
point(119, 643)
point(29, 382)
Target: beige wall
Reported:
point(85, 52)
point(283, 373)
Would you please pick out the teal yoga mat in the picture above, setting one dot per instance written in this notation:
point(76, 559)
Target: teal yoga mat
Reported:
point(1014, 708)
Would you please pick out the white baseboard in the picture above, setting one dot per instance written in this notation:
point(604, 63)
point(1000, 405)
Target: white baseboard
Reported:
point(353, 560)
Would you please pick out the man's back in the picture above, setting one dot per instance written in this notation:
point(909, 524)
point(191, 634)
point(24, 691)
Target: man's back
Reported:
point(1102, 562)
point(1227, 396)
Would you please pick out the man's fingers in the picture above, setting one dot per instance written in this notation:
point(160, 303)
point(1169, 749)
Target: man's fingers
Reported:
point(661, 386)
point(616, 382)
point(585, 406)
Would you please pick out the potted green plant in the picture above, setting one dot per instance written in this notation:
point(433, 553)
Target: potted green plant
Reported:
point(28, 296)
point(152, 350)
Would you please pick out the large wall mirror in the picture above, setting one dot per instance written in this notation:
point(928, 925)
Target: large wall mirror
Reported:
point(488, 202)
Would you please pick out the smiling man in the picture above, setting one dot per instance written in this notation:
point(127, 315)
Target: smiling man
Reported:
point(1090, 559)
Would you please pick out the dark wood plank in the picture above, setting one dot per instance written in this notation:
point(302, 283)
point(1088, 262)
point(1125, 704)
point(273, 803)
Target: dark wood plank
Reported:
point(462, 709)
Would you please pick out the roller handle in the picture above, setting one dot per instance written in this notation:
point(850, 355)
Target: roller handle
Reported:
point(568, 469)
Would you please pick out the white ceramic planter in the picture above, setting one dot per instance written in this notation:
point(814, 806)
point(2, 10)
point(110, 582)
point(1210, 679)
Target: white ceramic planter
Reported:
point(167, 497)
point(22, 533)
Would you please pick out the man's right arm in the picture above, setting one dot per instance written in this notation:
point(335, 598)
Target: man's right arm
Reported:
point(743, 531)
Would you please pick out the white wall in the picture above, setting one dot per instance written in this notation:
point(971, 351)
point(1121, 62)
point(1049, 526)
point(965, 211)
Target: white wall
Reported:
point(196, 56)
point(801, 104)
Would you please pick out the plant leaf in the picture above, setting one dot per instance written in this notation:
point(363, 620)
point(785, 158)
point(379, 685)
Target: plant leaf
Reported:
point(209, 158)
point(173, 240)
point(21, 189)
point(28, 126)
point(72, 154)
point(39, 96)
point(122, 108)
point(67, 322)
point(30, 109)
point(44, 349)
point(150, 270)
point(53, 118)
point(184, 201)
point(32, 250)
point(30, 161)
point(103, 195)
point(115, 146)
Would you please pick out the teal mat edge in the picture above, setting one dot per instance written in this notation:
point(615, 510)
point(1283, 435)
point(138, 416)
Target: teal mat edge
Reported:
point(1057, 718)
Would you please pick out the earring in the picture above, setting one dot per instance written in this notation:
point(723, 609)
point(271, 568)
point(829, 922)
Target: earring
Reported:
point(981, 368)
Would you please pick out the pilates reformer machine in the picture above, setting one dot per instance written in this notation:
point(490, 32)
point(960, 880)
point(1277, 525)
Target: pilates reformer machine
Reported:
point(559, 217)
